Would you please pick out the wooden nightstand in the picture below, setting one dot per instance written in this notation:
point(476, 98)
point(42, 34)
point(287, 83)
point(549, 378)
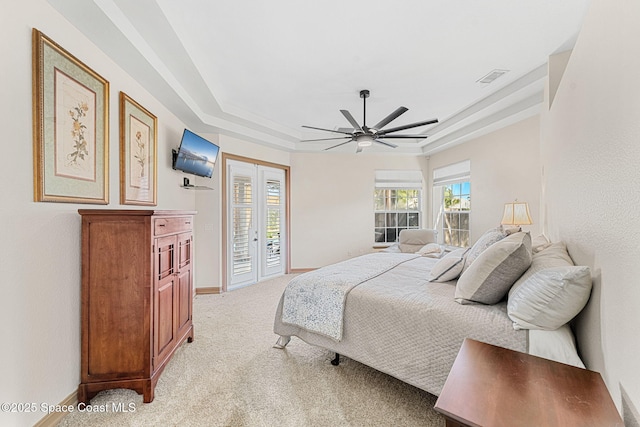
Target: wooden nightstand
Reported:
point(492, 386)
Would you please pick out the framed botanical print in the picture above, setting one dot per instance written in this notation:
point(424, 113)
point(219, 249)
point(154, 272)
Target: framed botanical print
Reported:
point(138, 158)
point(70, 127)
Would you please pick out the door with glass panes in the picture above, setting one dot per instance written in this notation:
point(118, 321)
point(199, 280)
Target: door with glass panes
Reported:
point(256, 221)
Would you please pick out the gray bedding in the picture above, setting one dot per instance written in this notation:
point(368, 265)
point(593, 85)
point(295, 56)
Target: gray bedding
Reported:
point(412, 329)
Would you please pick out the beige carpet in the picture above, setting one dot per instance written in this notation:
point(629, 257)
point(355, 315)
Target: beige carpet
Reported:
point(231, 376)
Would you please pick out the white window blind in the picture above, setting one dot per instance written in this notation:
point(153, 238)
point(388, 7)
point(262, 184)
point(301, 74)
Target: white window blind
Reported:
point(399, 179)
point(455, 172)
point(273, 222)
point(242, 199)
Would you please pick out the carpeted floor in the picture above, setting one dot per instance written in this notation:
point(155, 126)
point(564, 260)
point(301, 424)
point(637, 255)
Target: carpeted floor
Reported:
point(231, 376)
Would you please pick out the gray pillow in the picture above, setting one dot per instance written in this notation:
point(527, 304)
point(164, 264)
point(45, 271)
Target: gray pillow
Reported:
point(488, 279)
point(487, 239)
point(550, 298)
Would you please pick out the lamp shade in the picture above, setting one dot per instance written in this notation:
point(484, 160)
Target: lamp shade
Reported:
point(516, 213)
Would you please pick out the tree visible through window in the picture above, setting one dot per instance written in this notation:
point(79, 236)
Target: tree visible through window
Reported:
point(456, 206)
point(395, 209)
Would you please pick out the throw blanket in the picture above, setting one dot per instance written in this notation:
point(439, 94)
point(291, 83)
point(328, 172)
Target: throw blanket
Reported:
point(315, 300)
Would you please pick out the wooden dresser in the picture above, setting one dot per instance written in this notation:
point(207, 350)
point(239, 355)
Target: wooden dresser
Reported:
point(137, 294)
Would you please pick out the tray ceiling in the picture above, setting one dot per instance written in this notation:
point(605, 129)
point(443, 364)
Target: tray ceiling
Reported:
point(260, 70)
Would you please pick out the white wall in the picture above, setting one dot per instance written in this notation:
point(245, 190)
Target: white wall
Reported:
point(504, 166)
point(40, 258)
point(332, 204)
point(590, 154)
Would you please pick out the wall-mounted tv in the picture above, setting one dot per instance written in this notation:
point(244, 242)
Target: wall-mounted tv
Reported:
point(196, 155)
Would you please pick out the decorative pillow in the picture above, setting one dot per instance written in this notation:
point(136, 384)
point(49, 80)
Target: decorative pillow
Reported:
point(550, 298)
point(432, 250)
point(487, 239)
point(509, 229)
point(489, 277)
point(449, 267)
point(555, 255)
point(539, 243)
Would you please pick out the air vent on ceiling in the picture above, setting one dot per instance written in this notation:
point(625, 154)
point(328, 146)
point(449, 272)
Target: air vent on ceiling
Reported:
point(491, 76)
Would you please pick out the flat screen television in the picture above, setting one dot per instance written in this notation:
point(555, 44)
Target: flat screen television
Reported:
point(196, 155)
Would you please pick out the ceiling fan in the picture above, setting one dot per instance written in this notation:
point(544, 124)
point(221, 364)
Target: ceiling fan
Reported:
point(364, 135)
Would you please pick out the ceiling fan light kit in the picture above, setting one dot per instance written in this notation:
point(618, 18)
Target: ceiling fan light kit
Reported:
point(364, 141)
point(365, 136)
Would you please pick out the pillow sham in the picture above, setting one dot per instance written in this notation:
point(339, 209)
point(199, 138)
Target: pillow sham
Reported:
point(555, 255)
point(550, 298)
point(448, 267)
point(491, 275)
point(487, 239)
point(432, 250)
point(539, 243)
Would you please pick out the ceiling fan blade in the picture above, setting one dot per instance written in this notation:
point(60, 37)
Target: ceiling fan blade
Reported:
point(412, 125)
point(327, 130)
point(388, 144)
point(390, 117)
point(353, 122)
point(325, 139)
point(346, 130)
point(406, 136)
point(336, 146)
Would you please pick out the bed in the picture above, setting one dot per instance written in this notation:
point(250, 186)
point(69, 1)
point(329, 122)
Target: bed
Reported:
point(386, 311)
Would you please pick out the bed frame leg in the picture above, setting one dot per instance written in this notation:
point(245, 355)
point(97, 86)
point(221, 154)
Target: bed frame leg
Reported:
point(282, 342)
point(336, 360)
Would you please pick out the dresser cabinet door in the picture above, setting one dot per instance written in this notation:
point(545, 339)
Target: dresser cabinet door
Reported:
point(185, 293)
point(165, 285)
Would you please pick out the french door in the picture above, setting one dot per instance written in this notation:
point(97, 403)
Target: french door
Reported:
point(256, 223)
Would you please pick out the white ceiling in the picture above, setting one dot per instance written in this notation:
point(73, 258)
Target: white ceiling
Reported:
point(259, 70)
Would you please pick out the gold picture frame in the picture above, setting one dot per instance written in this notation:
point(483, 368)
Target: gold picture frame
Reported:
point(138, 153)
point(70, 127)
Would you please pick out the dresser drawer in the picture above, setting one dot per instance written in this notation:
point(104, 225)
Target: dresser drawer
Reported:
point(163, 226)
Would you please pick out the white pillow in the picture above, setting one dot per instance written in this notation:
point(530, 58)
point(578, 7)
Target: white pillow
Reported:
point(432, 250)
point(448, 267)
point(555, 255)
point(488, 279)
point(550, 298)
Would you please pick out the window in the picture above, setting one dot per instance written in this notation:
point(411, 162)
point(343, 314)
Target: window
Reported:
point(452, 199)
point(456, 204)
point(397, 203)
